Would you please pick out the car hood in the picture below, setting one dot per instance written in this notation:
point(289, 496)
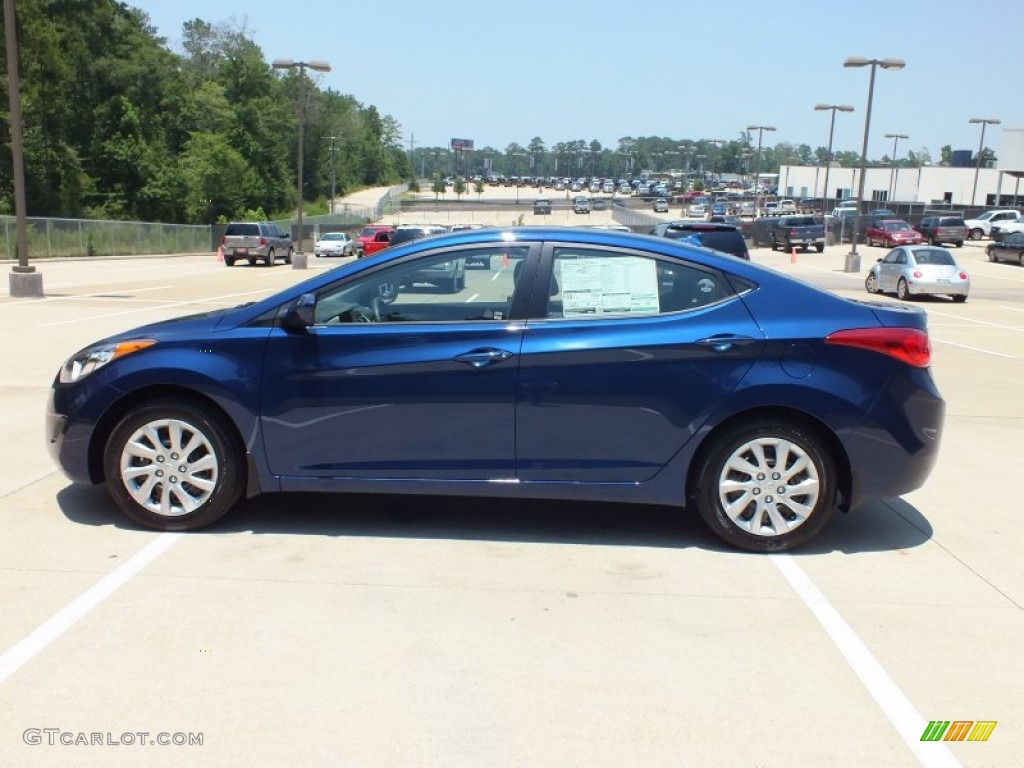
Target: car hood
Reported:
point(190, 325)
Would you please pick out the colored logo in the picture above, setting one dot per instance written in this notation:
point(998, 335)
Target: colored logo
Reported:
point(958, 730)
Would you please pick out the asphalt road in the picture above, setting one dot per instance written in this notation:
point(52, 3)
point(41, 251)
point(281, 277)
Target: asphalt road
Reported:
point(403, 631)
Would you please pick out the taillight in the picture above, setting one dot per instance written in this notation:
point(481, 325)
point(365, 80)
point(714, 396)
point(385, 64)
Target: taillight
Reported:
point(263, 241)
point(917, 273)
point(963, 275)
point(792, 233)
point(908, 345)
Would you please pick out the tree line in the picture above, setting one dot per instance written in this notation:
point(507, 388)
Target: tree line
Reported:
point(116, 125)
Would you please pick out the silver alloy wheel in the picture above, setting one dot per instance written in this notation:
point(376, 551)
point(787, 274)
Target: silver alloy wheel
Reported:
point(871, 283)
point(769, 486)
point(169, 467)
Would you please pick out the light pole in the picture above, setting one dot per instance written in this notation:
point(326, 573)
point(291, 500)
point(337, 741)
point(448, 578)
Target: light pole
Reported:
point(319, 66)
point(828, 155)
point(853, 258)
point(23, 280)
point(714, 156)
point(892, 172)
point(760, 135)
point(331, 154)
point(981, 145)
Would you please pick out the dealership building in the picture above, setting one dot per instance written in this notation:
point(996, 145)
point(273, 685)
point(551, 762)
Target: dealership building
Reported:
point(958, 187)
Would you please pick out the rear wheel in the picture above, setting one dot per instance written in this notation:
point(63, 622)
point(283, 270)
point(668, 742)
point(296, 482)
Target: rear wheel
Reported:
point(172, 465)
point(960, 299)
point(820, 248)
point(288, 258)
point(902, 292)
point(252, 261)
point(766, 486)
point(976, 234)
point(229, 261)
point(271, 258)
point(959, 243)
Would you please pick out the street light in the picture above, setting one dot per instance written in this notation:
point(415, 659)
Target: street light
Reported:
point(714, 156)
point(828, 155)
point(760, 135)
point(981, 144)
point(23, 280)
point(302, 66)
point(853, 258)
point(892, 172)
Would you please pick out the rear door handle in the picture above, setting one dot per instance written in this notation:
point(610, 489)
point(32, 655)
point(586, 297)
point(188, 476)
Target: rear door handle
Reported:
point(723, 342)
point(478, 358)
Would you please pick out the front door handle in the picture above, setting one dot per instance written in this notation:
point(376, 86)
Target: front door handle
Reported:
point(723, 342)
point(478, 358)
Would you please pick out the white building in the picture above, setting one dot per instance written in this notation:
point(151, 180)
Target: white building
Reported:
point(929, 185)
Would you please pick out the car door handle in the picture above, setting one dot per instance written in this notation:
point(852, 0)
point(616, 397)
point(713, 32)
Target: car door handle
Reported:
point(478, 358)
point(723, 342)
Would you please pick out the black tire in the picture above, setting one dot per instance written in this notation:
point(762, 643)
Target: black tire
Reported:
point(252, 261)
point(781, 521)
point(288, 257)
point(229, 261)
point(819, 248)
point(775, 245)
point(960, 299)
point(271, 258)
point(959, 243)
point(991, 254)
point(871, 283)
point(188, 505)
point(902, 292)
point(976, 234)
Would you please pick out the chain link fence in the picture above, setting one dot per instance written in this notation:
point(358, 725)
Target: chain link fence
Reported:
point(52, 238)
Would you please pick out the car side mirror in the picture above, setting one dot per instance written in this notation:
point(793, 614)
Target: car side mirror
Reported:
point(879, 261)
point(299, 316)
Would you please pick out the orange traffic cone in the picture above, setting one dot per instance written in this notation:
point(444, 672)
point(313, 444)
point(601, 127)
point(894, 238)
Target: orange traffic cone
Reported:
point(220, 253)
point(792, 256)
point(504, 259)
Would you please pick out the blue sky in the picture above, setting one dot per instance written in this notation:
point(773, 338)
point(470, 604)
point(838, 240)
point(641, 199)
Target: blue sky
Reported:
point(603, 69)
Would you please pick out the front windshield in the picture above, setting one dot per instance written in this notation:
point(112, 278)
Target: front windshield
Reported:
point(896, 226)
point(985, 216)
point(332, 236)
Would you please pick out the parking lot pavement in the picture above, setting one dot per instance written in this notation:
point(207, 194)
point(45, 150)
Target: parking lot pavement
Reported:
point(377, 630)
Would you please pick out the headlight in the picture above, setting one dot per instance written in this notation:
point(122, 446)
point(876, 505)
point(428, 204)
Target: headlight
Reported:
point(94, 358)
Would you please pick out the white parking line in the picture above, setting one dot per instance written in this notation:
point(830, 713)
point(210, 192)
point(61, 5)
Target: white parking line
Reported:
point(980, 322)
point(472, 298)
point(974, 349)
point(23, 651)
point(103, 295)
point(904, 717)
point(147, 309)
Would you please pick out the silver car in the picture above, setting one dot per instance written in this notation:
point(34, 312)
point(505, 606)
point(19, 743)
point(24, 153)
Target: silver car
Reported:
point(915, 270)
point(335, 244)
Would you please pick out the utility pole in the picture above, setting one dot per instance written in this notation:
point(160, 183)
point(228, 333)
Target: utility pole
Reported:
point(412, 149)
point(330, 154)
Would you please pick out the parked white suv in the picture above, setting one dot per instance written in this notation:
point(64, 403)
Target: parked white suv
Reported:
point(982, 226)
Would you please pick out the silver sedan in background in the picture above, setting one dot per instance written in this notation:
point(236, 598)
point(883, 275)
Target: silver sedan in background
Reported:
point(915, 270)
point(335, 244)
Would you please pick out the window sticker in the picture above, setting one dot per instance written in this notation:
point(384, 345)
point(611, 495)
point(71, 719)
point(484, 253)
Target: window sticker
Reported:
point(609, 285)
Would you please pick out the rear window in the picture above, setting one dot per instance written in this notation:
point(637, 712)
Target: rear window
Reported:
point(934, 256)
point(951, 222)
point(242, 229)
point(802, 221)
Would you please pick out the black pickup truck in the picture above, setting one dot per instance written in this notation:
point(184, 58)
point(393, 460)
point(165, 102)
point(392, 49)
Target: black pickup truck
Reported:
point(801, 232)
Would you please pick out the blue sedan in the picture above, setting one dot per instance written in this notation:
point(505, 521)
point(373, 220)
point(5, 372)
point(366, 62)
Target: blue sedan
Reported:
point(594, 364)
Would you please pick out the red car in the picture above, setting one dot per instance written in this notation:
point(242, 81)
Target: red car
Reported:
point(374, 237)
point(892, 232)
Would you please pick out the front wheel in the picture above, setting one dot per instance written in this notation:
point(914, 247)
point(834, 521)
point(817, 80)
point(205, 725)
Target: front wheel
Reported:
point(288, 257)
point(819, 248)
point(871, 283)
point(976, 234)
point(960, 298)
point(766, 487)
point(172, 465)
